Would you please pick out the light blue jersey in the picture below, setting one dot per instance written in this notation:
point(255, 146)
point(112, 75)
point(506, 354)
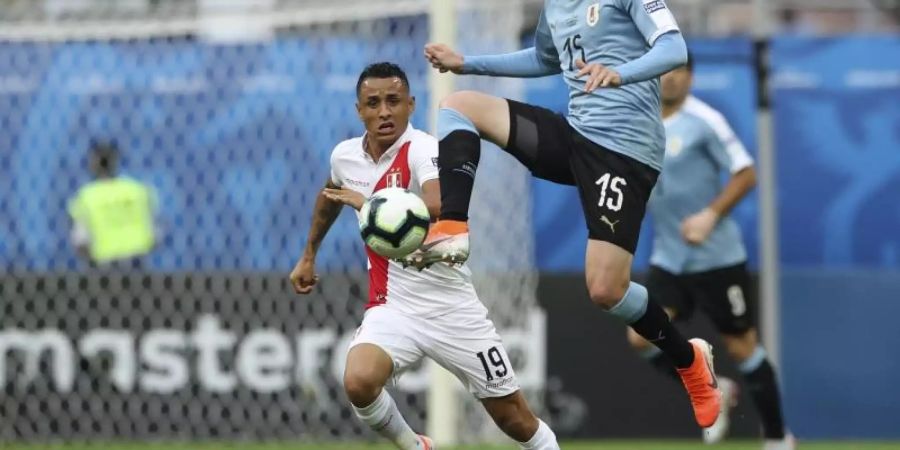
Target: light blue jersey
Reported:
point(621, 34)
point(612, 33)
point(700, 147)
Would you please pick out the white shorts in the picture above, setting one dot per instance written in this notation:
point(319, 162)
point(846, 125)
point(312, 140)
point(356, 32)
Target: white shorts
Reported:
point(464, 342)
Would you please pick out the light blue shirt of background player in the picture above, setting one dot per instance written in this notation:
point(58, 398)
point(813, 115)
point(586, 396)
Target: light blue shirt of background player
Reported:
point(692, 232)
point(628, 44)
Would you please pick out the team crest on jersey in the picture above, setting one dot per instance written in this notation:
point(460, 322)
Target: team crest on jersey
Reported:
point(674, 145)
point(593, 14)
point(394, 178)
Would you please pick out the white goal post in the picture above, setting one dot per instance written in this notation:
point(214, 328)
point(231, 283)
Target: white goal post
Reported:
point(443, 408)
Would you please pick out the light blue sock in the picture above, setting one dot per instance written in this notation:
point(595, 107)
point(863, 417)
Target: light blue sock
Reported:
point(633, 305)
point(450, 120)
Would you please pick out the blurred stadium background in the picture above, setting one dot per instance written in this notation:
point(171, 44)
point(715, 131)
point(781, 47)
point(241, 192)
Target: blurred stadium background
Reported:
point(229, 109)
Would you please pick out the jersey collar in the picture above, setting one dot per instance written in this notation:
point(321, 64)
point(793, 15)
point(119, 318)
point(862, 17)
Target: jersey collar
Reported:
point(671, 119)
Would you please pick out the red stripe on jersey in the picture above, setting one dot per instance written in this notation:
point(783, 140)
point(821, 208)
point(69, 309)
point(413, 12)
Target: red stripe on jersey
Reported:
point(378, 273)
point(398, 175)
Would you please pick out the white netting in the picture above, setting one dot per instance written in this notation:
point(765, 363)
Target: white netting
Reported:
point(206, 340)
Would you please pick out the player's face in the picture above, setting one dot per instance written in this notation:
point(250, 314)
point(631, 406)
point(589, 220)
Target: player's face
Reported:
point(676, 85)
point(384, 105)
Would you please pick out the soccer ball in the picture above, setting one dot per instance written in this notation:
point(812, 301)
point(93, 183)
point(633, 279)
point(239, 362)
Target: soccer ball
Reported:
point(393, 222)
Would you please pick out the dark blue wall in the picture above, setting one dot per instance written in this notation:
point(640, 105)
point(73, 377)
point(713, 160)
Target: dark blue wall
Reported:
point(836, 105)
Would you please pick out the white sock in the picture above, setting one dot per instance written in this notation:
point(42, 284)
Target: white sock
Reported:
point(543, 439)
point(384, 418)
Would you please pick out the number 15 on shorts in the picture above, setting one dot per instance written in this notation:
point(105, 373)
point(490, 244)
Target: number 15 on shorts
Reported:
point(610, 192)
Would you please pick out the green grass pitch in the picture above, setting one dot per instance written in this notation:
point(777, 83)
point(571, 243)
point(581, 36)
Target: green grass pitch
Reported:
point(571, 445)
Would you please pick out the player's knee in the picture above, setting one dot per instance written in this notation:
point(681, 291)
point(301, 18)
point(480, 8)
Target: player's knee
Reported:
point(462, 102)
point(606, 294)
point(362, 387)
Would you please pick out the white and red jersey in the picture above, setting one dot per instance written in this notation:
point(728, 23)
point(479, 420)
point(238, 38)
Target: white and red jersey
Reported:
point(409, 163)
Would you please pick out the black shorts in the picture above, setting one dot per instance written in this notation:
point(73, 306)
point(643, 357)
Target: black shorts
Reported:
point(723, 294)
point(613, 187)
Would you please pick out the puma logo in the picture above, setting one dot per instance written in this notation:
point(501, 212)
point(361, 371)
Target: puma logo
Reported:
point(612, 225)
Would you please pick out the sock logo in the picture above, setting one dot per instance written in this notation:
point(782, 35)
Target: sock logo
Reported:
point(467, 168)
point(384, 424)
point(659, 338)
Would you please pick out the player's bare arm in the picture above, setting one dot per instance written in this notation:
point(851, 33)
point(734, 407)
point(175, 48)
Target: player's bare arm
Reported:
point(737, 188)
point(325, 211)
point(696, 228)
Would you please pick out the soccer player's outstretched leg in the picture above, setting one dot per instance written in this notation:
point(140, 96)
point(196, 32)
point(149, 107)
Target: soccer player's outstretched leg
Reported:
point(610, 146)
point(698, 258)
point(411, 314)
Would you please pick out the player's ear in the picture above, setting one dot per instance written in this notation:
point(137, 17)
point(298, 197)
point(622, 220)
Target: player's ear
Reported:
point(412, 104)
point(359, 111)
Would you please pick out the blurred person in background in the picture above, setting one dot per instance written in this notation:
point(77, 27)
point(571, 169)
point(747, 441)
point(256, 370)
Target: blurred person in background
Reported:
point(112, 216)
point(698, 258)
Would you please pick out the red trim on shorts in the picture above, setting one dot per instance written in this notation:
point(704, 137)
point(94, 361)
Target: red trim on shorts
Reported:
point(398, 175)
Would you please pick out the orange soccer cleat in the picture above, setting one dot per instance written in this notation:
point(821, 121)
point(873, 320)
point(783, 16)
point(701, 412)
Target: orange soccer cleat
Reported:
point(702, 386)
point(447, 241)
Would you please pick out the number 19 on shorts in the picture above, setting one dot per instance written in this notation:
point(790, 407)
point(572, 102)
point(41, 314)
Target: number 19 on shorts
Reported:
point(496, 360)
point(610, 192)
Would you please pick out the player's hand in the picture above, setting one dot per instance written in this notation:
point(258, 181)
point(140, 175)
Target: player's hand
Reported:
point(598, 75)
point(444, 58)
point(304, 277)
point(346, 196)
point(696, 228)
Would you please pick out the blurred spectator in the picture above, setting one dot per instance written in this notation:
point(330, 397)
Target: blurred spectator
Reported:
point(113, 215)
point(795, 22)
